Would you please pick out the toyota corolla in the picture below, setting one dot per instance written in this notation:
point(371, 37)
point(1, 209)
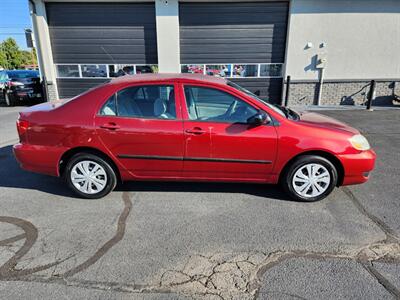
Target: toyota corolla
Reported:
point(188, 127)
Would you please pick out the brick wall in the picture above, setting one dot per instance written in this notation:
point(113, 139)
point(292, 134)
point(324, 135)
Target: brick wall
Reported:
point(342, 92)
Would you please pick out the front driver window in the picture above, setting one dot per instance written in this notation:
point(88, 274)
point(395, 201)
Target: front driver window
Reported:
point(208, 104)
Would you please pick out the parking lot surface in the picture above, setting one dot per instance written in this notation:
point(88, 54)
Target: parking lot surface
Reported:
point(202, 240)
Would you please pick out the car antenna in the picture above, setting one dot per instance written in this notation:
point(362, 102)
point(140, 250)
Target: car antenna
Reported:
point(112, 59)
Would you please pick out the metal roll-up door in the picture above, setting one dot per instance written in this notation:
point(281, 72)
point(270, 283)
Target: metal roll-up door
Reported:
point(100, 33)
point(230, 33)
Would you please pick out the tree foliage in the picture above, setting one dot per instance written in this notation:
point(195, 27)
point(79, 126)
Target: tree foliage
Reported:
point(11, 57)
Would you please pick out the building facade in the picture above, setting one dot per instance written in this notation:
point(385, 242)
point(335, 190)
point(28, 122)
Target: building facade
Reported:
point(330, 49)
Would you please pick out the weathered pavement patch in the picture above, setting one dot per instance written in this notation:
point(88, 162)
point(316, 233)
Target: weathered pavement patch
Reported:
point(240, 276)
point(320, 279)
point(25, 290)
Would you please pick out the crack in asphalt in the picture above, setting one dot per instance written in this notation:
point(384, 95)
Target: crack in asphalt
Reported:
point(8, 269)
point(219, 276)
point(390, 234)
point(381, 279)
point(119, 235)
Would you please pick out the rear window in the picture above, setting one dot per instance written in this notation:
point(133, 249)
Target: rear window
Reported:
point(22, 74)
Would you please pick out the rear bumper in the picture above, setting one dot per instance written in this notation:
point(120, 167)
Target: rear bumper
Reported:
point(357, 167)
point(38, 159)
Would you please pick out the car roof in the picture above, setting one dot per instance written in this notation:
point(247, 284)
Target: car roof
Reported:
point(168, 76)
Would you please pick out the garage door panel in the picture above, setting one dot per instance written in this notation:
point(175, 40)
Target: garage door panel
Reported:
point(118, 29)
point(101, 33)
point(69, 88)
point(268, 34)
point(100, 14)
point(98, 49)
point(225, 27)
point(226, 8)
point(202, 58)
point(98, 59)
point(270, 90)
point(97, 41)
point(231, 33)
point(227, 19)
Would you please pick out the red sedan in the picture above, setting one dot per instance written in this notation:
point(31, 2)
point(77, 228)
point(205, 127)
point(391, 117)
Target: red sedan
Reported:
point(188, 127)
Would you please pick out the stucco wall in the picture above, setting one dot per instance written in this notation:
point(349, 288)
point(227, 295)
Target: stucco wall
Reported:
point(362, 39)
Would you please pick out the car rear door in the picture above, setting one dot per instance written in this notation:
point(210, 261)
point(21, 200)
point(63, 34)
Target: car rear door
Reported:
point(147, 142)
point(219, 143)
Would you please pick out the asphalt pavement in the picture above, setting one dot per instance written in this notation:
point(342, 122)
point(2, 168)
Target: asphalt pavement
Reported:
point(202, 240)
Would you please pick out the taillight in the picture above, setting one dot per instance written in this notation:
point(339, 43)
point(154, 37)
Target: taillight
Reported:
point(22, 127)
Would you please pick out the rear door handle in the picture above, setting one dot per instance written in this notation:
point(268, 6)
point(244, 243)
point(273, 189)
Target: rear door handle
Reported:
point(110, 126)
point(195, 130)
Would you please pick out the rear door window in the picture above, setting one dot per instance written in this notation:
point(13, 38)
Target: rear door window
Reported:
point(150, 102)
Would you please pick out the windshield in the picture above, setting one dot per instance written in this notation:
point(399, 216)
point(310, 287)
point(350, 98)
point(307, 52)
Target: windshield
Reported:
point(22, 74)
point(277, 109)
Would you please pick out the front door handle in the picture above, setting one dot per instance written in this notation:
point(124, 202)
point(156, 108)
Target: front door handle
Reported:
point(110, 126)
point(195, 130)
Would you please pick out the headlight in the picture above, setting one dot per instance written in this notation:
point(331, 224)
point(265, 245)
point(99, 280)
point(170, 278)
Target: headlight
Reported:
point(359, 142)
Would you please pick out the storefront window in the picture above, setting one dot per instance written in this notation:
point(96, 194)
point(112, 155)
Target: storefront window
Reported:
point(194, 69)
point(235, 70)
point(219, 70)
point(271, 70)
point(143, 69)
point(245, 71)
point(121, 70)
point(94, 70)
point(68, 71)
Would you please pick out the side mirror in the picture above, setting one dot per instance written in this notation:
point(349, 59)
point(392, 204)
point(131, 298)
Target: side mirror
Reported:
point(259, 118)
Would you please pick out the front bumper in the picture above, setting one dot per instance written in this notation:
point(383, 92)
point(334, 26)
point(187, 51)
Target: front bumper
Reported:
point(357, 167)
point(27, 92)
point(26, 95)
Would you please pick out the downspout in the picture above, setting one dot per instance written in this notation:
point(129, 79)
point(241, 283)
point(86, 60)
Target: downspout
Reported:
point(36, 40)
point(321, 83)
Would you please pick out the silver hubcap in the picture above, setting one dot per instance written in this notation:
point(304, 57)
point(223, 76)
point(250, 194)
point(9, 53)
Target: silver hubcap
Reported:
point(311, 180)
point(88, 177)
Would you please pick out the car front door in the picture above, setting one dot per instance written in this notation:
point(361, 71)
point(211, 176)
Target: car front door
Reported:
point(143, 130)
point(219, 143)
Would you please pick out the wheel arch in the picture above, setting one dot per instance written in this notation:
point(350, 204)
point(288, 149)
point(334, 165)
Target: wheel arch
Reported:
point(327, 155)
point(71, 152)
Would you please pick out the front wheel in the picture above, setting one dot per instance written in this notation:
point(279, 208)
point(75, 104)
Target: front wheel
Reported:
point(310, 178)
point(90, 176)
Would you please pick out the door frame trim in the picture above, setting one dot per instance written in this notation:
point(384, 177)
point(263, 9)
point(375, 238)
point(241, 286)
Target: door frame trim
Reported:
point(205, 159)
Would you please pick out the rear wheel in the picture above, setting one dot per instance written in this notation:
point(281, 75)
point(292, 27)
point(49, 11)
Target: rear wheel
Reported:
point(310, 178)
point(90, 176)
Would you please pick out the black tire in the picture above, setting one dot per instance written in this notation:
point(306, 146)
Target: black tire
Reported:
point(287, 177)
point(110, 178)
